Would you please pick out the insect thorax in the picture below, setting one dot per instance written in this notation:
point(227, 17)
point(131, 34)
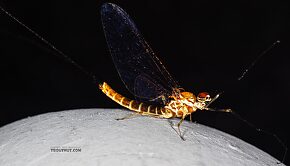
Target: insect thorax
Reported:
point(183, 104)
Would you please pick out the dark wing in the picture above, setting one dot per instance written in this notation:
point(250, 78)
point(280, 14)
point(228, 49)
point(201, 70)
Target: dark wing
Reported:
point(140, 70)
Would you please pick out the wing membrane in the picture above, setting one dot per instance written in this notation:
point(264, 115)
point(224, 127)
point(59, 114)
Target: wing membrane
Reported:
point(140, 70)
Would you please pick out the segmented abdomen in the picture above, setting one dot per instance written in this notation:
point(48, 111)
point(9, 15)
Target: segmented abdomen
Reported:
point(135, 105)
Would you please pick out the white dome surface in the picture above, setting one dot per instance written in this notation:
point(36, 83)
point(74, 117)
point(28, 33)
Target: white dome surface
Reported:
point(105, 141)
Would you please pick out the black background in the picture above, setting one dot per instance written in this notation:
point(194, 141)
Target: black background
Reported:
point(205, 45)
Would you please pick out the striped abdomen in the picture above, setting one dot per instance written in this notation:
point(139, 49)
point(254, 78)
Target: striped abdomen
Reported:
point(135, 105)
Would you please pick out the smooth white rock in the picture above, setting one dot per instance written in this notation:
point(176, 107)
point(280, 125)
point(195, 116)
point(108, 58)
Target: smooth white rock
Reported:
point(105, 141)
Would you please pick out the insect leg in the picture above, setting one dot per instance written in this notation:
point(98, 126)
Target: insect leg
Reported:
point(162, 97)
point(139, 113)
point(179, 124)
point(190, 118)
point(283, 145)
point(179, 131)
point(129, 116)
point(219, 110)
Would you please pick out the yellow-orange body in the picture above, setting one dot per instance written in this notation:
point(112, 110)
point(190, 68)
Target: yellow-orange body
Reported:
point(134, 105)
point(180, 106)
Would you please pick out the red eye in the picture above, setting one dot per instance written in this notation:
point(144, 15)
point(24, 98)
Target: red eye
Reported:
point(203, 95)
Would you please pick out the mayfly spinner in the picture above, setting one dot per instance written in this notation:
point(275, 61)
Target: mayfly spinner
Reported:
point(157, 93)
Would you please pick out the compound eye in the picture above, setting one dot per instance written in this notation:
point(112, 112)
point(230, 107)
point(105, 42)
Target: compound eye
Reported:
point(207, 98)
point(203, 97)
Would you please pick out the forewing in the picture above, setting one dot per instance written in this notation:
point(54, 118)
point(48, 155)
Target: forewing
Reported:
point(140, 70)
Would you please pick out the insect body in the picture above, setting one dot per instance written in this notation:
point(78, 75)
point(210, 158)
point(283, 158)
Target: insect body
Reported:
point(134, 105)
point(157, 93)
point(180, 106)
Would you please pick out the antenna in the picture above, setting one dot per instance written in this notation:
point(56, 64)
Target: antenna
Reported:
point(52, 47)
point(244, 73)
point(257, 59)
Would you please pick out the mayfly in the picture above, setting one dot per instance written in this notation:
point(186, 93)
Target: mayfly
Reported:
point(156, 93)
